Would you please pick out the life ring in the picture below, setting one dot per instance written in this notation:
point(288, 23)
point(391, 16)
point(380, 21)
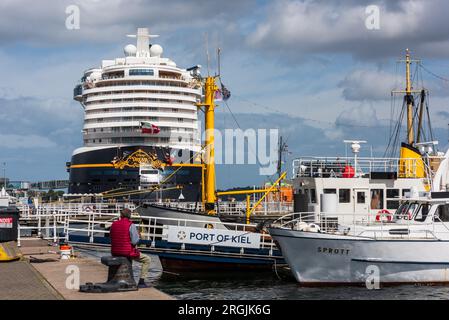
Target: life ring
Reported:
point(384, 214)
point(87, 209)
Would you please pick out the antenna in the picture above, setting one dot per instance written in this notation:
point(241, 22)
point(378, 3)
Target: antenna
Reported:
point(355, 146)
point(282, 148)
point(218, 61)
point(206, 40)
point(143, 41)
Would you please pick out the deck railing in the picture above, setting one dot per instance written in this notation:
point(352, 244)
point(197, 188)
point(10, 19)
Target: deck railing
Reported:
point(335, 166)
point(379, 226)
point(237, 207)
point(58, 222)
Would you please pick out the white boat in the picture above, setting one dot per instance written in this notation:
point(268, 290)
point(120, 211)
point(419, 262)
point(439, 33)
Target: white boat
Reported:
point(366, 184)
point(360, 241)
point(377, 185)
point(412, 248)
point(6, 200)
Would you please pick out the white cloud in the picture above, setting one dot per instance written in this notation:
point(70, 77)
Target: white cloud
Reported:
point(295, 28)
point(362, 115)
point(103, 21)
point(363, 84)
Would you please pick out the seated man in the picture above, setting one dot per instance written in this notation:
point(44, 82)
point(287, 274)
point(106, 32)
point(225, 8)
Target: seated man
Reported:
point(124, 239)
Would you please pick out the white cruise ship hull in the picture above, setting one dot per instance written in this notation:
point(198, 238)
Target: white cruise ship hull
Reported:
point(326, 259)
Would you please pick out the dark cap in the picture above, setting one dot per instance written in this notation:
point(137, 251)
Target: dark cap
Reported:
point(126, 213)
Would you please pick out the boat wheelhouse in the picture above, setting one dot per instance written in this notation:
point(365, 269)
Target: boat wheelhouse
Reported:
point(365, 185)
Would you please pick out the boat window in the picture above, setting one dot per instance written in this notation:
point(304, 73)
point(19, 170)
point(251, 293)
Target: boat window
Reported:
point(361, 197)
point(402, 210)
point(392, 204)
point(377, 198)
point(344, 195)
point(141, 72)
point(312, 196)
point(330, 191)
point(443, 212)
point(392, 193)
point(422, 212)
point(406, 210)
point(404, 191)
point(149, 172)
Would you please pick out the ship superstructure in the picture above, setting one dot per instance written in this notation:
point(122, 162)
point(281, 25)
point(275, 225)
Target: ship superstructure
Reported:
point(372, 186)
point(124, 95)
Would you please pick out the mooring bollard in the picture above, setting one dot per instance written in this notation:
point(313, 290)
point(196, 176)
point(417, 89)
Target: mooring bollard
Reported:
point(120, 277)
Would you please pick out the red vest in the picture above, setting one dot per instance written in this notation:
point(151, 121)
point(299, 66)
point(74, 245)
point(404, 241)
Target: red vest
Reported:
point(121, 245)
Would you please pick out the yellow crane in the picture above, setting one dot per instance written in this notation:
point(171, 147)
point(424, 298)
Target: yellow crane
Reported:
point(210, 197)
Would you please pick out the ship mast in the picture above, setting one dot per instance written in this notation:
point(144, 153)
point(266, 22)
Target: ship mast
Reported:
point(409, 97)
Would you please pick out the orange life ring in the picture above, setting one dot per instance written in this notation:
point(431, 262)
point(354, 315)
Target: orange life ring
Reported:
point(384, 213)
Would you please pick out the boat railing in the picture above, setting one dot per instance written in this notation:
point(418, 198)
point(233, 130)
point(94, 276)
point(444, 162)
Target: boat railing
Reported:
point(47, 220)
point(61, 224)
point(379, 226)
point(30, 212)
point(235, 207)
point(154, 229)
point(335, 167)
point(47, 226)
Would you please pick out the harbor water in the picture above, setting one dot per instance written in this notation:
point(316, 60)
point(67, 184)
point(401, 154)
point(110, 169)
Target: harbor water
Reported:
point(271, 287)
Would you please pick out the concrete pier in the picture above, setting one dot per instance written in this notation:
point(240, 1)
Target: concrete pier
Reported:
point(42, 275)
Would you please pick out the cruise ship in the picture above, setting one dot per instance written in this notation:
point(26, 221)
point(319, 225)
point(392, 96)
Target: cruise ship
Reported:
point(140, 125)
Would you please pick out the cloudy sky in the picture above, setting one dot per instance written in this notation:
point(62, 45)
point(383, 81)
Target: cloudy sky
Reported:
point(311, 69)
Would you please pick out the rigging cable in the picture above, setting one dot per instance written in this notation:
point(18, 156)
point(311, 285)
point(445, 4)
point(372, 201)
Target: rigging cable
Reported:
point(434, 74)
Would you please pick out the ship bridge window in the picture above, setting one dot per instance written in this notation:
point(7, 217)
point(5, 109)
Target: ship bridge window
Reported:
point(422, 213)
point(443, 212)
point(360, 197)
point(344, 195)
point(149, 172)
point(141, 72)
point(311, 195)
point(113, 75)
point(330, 191)
point(404, 191)
point(392, 194)
point(377, 199)
point(392, 204)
